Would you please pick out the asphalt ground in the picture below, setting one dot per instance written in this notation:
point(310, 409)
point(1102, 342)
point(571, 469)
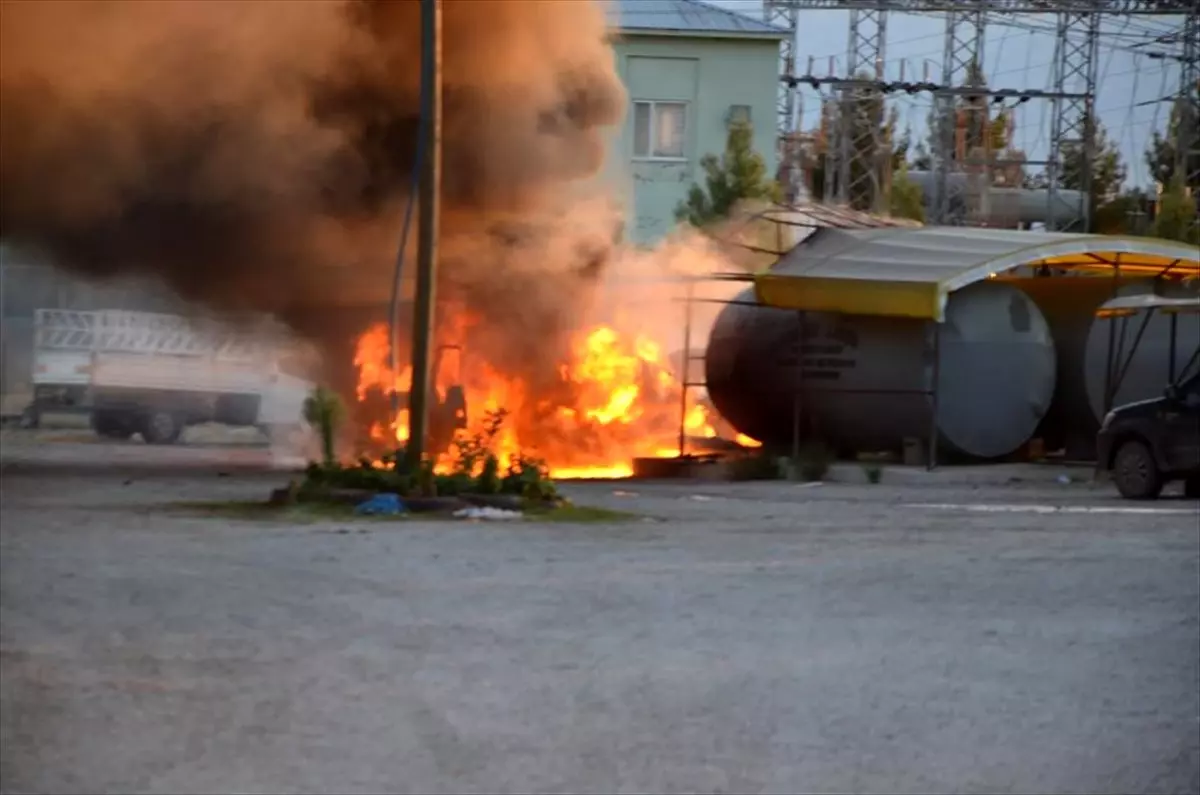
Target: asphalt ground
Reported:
point(767, 637)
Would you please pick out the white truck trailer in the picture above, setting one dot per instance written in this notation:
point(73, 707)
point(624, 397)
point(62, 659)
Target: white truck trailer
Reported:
point(153, 374)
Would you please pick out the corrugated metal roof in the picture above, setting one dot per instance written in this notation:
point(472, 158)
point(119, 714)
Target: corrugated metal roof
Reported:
point(686, 16)
point(910, 272)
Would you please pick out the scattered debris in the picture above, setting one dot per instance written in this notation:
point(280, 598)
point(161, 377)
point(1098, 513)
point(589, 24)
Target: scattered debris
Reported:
point(1063, 479)
point(484, 512)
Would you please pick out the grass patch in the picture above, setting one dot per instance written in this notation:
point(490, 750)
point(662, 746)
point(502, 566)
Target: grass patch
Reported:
point(579, 514)
point(258, 510)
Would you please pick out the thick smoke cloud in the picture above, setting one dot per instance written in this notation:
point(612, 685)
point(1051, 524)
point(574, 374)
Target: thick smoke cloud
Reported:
point(256, 155)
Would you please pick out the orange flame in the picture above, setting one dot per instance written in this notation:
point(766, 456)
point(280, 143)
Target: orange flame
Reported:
point(624, 402)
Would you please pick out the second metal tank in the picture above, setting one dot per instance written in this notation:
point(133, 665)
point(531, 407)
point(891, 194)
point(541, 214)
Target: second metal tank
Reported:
point(864, 383)
point(1141, 354)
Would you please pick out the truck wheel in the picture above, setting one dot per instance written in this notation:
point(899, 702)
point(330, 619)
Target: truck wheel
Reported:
point(161, 427)
point(1135, 473)
point(1191, 487)
point(111, 425)
point(31, 418)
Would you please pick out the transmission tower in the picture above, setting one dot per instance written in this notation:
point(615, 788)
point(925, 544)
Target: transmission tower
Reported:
point(860, 180)
point(1072, 118)
point(1072, 121)
point(783, 14)
point(962, 58)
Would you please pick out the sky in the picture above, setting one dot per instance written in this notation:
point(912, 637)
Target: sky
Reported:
point(1129, 83)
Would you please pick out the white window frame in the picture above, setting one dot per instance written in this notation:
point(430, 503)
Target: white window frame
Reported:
point(653, 104)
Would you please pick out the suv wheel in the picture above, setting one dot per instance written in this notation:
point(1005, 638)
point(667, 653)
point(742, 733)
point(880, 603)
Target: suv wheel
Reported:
point(1135, 473)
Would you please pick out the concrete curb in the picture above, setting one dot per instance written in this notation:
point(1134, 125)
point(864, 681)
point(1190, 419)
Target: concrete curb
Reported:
point(979, 475)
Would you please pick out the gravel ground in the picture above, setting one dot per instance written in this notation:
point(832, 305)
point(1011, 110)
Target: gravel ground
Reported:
point(749, 638)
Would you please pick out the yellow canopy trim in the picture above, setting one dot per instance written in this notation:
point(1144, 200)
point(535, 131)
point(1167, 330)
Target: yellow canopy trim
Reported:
point(850, 297)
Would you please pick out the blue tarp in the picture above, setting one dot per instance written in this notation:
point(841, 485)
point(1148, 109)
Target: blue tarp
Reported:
point(381, 505)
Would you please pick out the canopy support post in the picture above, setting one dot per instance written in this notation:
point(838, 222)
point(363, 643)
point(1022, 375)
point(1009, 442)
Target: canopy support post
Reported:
point(932, 462)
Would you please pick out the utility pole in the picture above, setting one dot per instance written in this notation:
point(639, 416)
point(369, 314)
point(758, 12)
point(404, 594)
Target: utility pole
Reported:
point(427, 229)
point(1187, 150)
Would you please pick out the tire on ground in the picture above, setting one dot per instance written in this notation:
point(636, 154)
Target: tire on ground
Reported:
point(112, 424)
point(161, 427)
point(1135, 472)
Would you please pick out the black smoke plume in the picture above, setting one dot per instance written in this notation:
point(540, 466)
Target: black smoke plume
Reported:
point(256, 155)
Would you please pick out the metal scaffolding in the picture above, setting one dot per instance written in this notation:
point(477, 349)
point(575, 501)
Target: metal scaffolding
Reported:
point(1072, 119)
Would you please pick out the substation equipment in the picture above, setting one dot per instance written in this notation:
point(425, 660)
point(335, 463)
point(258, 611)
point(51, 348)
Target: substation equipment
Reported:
point(964, 343)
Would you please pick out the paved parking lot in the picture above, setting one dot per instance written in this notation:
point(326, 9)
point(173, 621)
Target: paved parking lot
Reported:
point(770, 637)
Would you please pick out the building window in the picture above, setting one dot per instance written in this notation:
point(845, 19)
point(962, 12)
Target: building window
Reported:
point(659, 130)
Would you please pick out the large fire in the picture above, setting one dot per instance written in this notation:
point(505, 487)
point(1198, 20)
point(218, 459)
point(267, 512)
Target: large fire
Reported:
point(617, 399)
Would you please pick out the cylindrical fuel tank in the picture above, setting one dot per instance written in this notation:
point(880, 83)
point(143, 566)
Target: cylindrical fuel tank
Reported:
point(863, 381)
point(1082, 343)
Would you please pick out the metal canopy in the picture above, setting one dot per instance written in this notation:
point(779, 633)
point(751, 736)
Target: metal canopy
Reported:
point(1131, 304)
point(910, 272)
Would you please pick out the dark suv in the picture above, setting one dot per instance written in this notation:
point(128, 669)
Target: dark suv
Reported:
point(1146, 444)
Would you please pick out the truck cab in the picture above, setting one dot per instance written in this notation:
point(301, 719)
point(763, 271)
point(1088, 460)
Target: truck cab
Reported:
point(1143, 446)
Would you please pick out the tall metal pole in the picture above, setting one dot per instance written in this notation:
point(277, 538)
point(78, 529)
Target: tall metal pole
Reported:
point(1187, 148)
point(687, 360)
point(427, 229)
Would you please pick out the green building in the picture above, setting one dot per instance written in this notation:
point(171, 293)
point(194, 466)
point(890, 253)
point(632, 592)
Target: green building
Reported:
point(690, 68)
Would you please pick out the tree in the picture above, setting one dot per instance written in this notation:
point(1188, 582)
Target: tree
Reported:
point(324, 410)
point(875, 149)
point(905, 200)
point(1162, 153)
point(1127, 214)
point(739, 174)
point(978, 136)
point(1107, 172)
point(982, 142)
point(1175, 219)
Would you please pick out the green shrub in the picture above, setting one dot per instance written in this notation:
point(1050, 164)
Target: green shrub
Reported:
point(758, 466)
point(324, 410)
point(529, 478)
point(476, 471)
point(814, 461)
point(489, 476)
point(873, 472)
